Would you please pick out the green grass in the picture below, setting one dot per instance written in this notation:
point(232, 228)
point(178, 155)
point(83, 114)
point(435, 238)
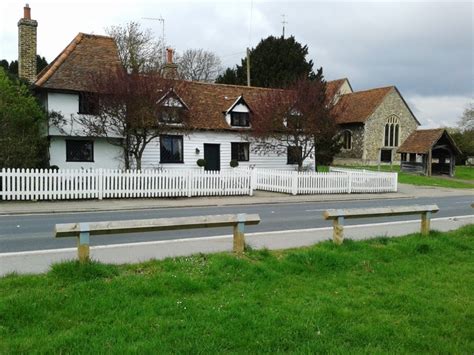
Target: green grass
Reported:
point(462, 172)
point(405, 295)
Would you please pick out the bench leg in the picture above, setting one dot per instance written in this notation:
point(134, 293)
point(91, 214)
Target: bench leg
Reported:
point(239, 236)
point(425, 223)
point(338, 230)
point(83, 243)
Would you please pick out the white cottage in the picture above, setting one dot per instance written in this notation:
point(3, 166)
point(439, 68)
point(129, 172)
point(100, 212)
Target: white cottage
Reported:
point(219, 116)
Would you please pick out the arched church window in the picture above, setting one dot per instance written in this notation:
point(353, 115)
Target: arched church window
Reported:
point(392, 132)
point(347, 140)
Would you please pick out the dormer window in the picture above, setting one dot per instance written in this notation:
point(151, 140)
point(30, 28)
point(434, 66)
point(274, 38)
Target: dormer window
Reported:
point(172, 109)
point(172, 114)
point(294, 120)
point(240, 119)
point(238, 114)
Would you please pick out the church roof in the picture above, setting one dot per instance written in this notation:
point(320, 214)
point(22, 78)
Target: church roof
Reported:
point(358, 106)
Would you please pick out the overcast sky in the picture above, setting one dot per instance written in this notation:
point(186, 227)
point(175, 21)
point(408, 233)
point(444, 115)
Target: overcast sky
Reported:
point(425, 48)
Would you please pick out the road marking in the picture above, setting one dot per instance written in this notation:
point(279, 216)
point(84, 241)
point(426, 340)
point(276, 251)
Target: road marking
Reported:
point(256, 234)
point(317, 210)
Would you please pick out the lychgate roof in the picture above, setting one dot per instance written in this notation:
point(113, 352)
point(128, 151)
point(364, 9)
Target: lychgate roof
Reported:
point(423, 140)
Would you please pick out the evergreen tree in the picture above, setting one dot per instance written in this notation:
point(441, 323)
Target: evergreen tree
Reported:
point(276, 62)
point(23, 142)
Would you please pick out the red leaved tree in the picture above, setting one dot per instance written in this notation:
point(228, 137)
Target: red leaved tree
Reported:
point(130, 110)
point(299, 122)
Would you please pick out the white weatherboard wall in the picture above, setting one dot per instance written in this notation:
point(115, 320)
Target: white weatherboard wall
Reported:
point(106, 155)
point(193, 141)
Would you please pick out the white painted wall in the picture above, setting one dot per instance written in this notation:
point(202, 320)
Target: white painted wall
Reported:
point(151, 156)
point(106, 155)
point(67, 104)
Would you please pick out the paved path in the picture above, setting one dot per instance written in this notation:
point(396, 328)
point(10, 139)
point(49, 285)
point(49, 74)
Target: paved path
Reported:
point(260, 197)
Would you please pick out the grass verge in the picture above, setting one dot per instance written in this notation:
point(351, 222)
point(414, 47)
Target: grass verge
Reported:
point(406, 295)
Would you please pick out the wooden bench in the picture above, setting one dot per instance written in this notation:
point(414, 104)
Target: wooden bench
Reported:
point(84, 230)
point(338, 216)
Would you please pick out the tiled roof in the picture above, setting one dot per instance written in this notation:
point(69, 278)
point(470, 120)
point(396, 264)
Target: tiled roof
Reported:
point(333, 86)
point(358, 106)
point(85, 55)
point(208, 102)
point(88, 54)
point(421, 141)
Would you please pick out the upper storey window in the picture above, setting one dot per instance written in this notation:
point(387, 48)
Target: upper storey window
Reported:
point(172, 108)
point(88, 103)
point(239, 113)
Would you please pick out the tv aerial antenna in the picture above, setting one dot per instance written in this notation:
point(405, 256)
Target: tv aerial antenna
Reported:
point(162, 37)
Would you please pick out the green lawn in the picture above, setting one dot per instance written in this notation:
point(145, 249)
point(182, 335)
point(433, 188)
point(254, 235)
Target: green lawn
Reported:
point(403, 295)
point(462, 172)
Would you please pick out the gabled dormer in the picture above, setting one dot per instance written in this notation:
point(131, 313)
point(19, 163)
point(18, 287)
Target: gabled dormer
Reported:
point(171, 108)
point(238, 114)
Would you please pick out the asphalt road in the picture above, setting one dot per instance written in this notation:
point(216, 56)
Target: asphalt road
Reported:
point(35, 232)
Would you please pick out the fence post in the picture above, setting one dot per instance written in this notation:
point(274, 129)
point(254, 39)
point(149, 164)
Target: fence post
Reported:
point(189, 183)
point(349, 185)
point(4, 184)
point(100, 184)
point(338, 230)
point(425, 223)
point(294, 183)
point(395, 177)
point(239, 236)
point(253, 180)
point(83, 243)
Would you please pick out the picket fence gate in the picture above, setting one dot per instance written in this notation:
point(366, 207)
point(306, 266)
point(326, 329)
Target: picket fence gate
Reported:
point(44, 184)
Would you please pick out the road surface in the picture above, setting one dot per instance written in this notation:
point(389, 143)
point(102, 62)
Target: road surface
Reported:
point(35, 232)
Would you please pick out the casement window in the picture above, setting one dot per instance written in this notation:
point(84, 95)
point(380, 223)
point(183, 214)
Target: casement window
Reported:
point(172, 114)
point(392, 131)
point(347, 140)
point(293, 155)
point(79, 150)
point(171, 149)
point(88, 103)
point(240, 151)
point(240, 119)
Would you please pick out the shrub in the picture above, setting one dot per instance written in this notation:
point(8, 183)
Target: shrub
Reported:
point(234, 163)
point(201, 163)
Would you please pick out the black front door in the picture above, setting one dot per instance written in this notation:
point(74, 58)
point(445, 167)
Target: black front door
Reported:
point(212, 156)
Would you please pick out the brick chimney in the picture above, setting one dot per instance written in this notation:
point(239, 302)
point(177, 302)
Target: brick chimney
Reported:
point(27, 46)
point(170, 70)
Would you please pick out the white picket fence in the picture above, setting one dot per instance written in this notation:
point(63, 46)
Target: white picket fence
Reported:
point(335, 181)
point(43, 184)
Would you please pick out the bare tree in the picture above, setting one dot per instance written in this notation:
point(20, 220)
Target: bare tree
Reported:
point(199, 65)
point(133, 109)
point(297, 122)
point(138, 49)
